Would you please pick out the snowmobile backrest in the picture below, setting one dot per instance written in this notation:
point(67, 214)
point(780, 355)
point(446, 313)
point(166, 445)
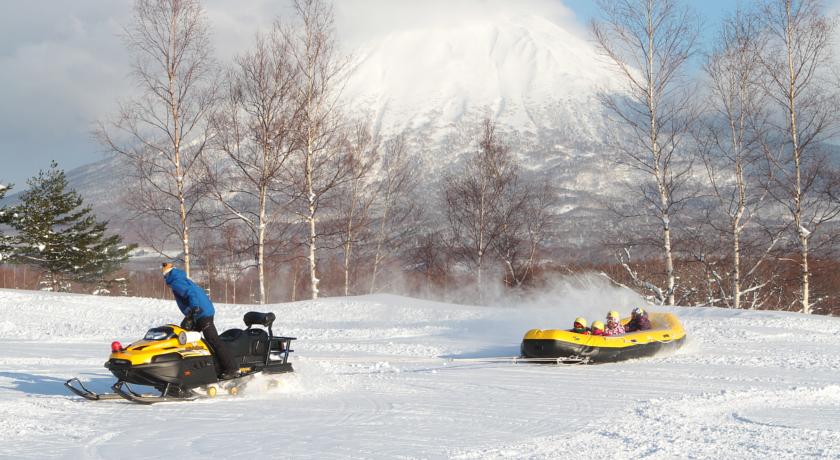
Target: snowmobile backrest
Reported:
point(262, 319)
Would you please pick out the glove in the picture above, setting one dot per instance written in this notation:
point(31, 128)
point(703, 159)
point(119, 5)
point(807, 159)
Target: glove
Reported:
point(188, 322)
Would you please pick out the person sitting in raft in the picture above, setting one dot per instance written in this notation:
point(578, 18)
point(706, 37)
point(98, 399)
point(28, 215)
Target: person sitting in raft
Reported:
point(580, 326)
point(597, 328)
point(614, 326)
point(638, 321)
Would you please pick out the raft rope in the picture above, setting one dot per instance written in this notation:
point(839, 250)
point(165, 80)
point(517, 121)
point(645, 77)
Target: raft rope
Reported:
point(569, 360)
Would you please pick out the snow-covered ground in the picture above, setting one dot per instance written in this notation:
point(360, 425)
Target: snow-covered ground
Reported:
point(379, 377)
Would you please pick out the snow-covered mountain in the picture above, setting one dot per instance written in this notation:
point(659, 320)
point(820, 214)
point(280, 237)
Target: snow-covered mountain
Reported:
point(435, 81)
point(527, 71)
point(539, 79)
point(536, 76)
point(101, 183)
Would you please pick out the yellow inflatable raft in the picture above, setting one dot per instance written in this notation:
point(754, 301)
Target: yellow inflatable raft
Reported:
point(666, 333)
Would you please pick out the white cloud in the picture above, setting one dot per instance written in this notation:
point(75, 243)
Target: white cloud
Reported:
point(61, 65)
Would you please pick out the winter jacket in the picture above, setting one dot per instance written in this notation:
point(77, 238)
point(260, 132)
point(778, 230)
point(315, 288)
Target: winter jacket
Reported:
point(189, 295)
point(618, 329)
point(598, 332)
point(640, 323)
point(584, 331)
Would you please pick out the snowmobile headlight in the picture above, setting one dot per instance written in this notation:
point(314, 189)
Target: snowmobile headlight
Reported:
point(186, 337)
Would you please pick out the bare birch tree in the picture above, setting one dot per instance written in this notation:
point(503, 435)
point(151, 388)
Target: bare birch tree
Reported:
point(357, 193)
point(735, 138)
point(432, 255)
point(796, 59)
point(473, 198)
point(163, 133)
point(527, 219)
point(649, 43)
point(396, 211)
point(255, 129)
point(321, 72)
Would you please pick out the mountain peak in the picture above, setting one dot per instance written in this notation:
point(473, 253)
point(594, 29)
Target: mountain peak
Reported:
point(516, 67)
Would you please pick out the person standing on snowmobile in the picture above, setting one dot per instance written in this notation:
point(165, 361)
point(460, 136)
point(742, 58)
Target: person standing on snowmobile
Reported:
point(198, 315)
point(638, 321)
point(614, 326)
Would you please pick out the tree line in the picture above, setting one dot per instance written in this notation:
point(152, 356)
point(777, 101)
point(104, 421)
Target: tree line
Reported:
point(260, 161)
point(737, 160)
point(731, 176)
point(253, 173)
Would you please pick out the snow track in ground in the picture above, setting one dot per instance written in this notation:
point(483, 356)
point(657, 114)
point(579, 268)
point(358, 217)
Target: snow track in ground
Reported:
point(379, 377)
point(795, 423)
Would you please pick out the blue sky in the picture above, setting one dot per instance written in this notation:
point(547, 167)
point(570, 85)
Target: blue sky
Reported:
point(63, 66)
point(711, 11)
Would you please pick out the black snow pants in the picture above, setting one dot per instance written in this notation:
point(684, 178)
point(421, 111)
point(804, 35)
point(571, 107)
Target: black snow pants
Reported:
point(211, 337)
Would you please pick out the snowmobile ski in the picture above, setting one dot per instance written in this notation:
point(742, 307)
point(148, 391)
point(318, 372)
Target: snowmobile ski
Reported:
point(84, 392)
point(124, 391)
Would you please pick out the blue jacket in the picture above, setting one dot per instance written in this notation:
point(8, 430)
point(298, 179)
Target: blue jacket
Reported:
point(188, 294)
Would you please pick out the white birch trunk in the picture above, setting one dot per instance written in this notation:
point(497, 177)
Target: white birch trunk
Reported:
point(313, 274)
point(261, 248)
point(380, 237)
point(377, 256)
point(348, 243)
point(659, 173)
point(295, 281)
point(736, 268)
point(801, 232)
point(176, 141)
point(347, 248)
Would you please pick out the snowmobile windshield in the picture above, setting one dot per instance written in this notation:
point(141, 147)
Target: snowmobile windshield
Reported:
point(159, 333)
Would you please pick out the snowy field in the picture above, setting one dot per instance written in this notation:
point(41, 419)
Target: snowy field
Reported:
point(384, 377)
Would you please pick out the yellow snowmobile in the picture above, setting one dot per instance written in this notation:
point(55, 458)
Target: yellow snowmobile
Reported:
point(178, 363)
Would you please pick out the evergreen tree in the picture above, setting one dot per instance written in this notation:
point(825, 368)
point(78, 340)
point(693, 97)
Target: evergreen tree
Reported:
point(5, 218)
point(58, 235)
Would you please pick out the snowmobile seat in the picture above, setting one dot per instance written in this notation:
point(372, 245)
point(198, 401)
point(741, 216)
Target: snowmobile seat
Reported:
point(231, 334)
point(263, 319)
point(246, 346)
